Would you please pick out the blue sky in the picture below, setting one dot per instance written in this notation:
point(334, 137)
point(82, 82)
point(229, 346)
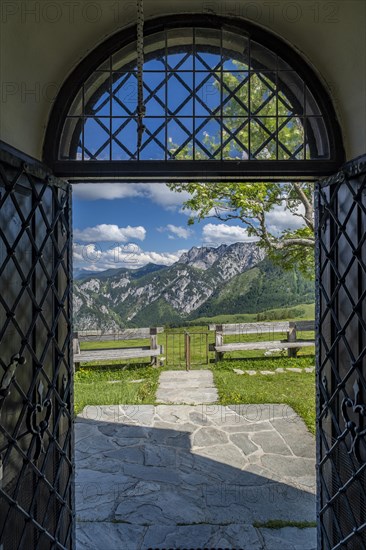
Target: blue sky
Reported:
point(130, 225)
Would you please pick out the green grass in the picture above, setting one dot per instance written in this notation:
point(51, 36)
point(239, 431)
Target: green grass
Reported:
point(107, 385)
point(307, 314)
point(280, 524)
point(173, 341)
point(113, 386)
point(115, 344)
point(294, 389)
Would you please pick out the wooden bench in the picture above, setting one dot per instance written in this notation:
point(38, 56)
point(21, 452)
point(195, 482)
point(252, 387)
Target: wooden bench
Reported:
point(292, 344)
point(110, 354)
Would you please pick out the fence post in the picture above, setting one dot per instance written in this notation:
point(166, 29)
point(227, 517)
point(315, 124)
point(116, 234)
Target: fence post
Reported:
point(154, 344)
point(187, 350)
point(291, 337)
point(76, 349)
point(219, 340)
point(166, 348)
point(206, 343)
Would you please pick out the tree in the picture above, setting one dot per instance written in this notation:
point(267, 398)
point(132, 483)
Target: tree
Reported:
point(253, 203)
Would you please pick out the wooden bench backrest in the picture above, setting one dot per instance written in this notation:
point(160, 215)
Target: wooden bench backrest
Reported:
point(251, 328)
point(123, 334)
point(262, 328)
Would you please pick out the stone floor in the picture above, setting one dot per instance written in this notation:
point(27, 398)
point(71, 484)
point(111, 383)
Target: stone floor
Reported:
point(193, 476)
point(186, 388)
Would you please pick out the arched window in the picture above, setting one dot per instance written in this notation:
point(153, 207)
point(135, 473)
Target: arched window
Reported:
point(222, 99)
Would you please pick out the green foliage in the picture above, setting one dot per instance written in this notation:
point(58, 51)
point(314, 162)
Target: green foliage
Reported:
point(294, 255)
point(251, 202)
point(281, 523)
point(156, 314)
point(261, 288)
point(281, 314)
point(265, 292)
point(303, 311)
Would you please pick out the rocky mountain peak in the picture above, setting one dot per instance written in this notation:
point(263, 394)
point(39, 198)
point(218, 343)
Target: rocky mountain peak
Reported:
point(237, 258)
point(157, 294)
point(229, 259)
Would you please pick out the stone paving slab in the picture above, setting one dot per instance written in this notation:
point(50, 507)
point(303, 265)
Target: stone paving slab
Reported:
point(279, 370)
point(127, 537)
point(120, 536)
point(172, 476)
point(182, 387)
point(289, 538)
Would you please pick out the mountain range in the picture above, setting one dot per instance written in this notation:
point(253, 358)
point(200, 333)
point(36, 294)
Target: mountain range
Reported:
point(205, 281)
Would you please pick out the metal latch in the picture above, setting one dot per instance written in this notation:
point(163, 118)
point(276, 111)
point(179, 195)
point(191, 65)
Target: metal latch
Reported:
point(9, 376)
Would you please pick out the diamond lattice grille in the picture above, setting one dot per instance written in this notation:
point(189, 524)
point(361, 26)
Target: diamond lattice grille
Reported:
point(209, 95)
point(341, 362)
point(35, 373)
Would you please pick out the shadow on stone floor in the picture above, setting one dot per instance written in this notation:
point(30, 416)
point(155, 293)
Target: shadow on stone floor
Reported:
point(194, 476)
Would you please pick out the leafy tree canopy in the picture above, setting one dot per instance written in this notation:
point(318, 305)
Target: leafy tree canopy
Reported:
point(253, 202)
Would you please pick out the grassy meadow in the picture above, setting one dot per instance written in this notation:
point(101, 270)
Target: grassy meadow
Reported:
point(136, 382)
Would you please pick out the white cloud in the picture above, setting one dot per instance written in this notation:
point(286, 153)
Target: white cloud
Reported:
point(93, 258)
point(176, 231)
point(163, 196)
point(110, 233)
point(158, 193)
point(109, 191)
point(280, 219)
point(221, 233)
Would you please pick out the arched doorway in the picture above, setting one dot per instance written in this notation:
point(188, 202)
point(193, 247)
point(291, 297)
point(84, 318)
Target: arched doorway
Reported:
point(202, 76)
point(88, 138)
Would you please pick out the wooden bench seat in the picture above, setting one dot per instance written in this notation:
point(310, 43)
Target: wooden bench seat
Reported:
point(111, 354)
point(292, 344)
point(243, 346)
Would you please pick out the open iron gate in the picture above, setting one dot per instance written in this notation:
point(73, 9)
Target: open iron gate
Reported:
point(341, 374)
point(36, 436)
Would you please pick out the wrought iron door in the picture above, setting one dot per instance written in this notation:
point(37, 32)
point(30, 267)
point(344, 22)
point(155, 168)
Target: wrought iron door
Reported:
point(36, 438)
point(341, 374)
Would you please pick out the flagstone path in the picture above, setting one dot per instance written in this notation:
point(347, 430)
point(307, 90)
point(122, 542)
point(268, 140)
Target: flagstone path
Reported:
point(186, 388)
point(193, 476)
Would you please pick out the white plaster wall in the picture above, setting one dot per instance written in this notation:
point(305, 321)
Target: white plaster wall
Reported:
point(42, 41)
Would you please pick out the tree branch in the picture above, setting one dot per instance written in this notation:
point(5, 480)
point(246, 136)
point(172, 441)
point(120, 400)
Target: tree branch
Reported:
point(296, 241)
point(309, 209)
point(264, 233)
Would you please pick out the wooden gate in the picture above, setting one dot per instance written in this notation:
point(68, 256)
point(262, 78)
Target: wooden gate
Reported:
point(184, 349)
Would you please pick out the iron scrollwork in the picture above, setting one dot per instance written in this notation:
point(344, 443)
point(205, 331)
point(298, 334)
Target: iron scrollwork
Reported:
point(326, 397)
point(9, 376)
point(64, 394)
point(358, 408)
point(38, 426)
point(356, 167)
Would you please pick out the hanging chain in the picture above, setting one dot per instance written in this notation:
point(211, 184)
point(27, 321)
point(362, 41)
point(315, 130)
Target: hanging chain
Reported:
point(141, 109)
